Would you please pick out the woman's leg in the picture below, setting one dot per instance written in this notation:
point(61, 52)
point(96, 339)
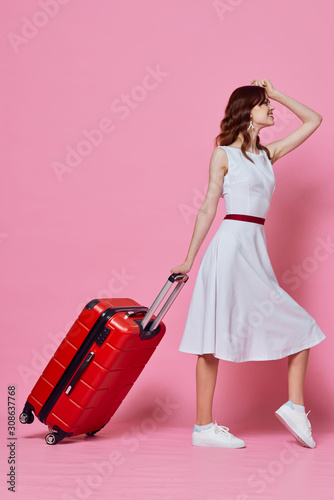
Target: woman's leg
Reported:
point(297, 364)
point(206, 375)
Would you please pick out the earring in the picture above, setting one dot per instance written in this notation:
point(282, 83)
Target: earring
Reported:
point(251, 126)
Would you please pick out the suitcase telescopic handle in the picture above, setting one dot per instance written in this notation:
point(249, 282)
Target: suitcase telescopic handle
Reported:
point(181, 280)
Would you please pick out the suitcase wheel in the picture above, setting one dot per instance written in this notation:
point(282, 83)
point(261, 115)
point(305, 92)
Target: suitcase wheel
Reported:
point(26, 418)
point(53, 438)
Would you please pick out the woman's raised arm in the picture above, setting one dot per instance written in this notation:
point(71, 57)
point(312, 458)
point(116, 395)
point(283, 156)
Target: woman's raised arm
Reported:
point(310, 118)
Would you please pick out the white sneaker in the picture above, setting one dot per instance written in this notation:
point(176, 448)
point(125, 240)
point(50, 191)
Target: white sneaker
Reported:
point(297, 424)
point(217, 436)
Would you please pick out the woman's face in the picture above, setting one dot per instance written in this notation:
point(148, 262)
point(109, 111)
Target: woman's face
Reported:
point(262, 114)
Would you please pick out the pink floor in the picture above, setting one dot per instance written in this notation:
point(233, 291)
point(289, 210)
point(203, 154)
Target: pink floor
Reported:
point(157, 461)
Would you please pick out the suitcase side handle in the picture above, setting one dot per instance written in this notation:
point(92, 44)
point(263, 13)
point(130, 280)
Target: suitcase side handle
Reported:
point(181, 280)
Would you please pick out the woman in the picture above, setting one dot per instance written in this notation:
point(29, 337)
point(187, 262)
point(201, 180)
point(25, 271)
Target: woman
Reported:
point(238, 311)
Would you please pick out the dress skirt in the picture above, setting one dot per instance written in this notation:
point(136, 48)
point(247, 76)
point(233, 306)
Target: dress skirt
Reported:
point(238, 311)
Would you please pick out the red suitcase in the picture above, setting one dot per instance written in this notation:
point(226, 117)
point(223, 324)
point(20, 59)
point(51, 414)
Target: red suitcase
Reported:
point(97, 363)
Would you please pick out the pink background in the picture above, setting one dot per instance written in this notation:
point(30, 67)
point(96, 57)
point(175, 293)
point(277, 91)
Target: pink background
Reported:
point(155, 78)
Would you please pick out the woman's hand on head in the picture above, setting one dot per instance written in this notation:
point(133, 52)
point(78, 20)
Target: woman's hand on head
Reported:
point(266, 84)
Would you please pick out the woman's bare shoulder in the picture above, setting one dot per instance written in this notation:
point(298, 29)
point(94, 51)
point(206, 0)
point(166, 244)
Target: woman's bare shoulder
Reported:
point(219, 159)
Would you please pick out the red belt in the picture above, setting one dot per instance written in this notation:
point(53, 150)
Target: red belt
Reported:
point(246, 218)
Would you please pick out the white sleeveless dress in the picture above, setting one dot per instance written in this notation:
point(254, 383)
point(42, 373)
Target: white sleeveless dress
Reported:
point(238, 311)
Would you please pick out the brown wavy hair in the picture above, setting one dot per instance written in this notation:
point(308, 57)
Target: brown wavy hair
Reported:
point(237, 117)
